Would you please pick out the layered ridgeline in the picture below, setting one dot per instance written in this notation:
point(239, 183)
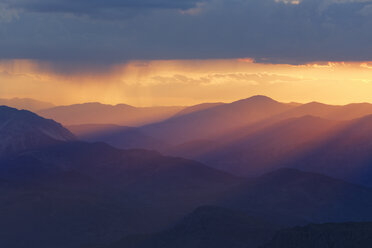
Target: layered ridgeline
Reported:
point(97, 113)
point(128, 137)
point(313, 137)
point(22, 130)
point(257, 135)
point(197, 129)
point(222, 119)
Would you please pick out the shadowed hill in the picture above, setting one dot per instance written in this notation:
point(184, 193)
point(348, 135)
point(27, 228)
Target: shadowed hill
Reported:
point(81, 193)
point(207, 227)
point(294, 197)
point(140, 169)
point(252, 211)
point(118, 136)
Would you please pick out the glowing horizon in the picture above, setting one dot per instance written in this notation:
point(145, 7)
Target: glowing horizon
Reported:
point(188, 82)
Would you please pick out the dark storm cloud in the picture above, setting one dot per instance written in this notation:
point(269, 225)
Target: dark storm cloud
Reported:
point(101, 9)
point(84, 6)
point(73, 32)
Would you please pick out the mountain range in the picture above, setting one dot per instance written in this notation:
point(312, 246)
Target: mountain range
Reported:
point(252, 169)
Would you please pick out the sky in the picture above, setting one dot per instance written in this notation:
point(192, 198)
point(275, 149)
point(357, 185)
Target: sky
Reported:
point(182, 52)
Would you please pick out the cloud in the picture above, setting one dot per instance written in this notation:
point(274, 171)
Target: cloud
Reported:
point(6, 14)
point(74, 34)
point(224, 78)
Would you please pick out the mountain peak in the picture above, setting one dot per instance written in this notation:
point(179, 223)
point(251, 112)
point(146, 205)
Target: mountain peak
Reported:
point(22, 130)
point(317, 104)
point(260, 98)
point(257, 99)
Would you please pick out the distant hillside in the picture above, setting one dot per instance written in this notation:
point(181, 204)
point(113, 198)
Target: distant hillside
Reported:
point(215, 120)
point(98, 113)
point(333, 112)
point(22, 130)
point(118, 136)
point(343, 235)
point(26, 103)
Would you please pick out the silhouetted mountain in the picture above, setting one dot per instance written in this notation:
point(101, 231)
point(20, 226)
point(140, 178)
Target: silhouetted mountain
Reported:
point(215, 120)
point(207, 227)
point(117, 136)
point(98, 113)
point(293, 197)
point(344, 235)
point(21, 130)
point(25, 103)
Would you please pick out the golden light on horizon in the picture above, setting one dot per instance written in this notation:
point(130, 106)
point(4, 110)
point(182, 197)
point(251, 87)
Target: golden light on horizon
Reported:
point(186, 82)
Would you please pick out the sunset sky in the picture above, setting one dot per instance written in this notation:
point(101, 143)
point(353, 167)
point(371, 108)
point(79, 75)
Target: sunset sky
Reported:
point(182, 52)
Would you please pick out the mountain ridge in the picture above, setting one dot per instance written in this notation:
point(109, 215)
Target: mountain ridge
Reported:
point(22, 130)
